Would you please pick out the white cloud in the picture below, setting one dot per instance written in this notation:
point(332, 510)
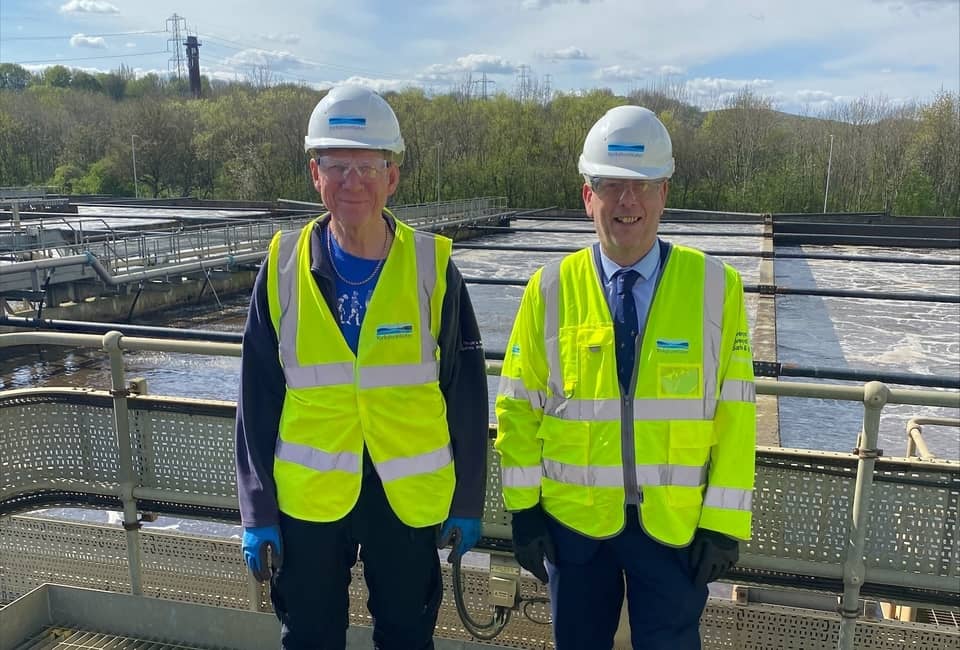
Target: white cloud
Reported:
point(814, 96)
point(488, 63)
point(88, 7)
point(710, 86)
point(565, 54)
point(79, 40)
point(543, 4)
point(670, 70)
point(377, 85)
point(268, 58)
point(284, 39)
point(711, 92)
point(614, 73)
point(921, 5)
point(130, 45)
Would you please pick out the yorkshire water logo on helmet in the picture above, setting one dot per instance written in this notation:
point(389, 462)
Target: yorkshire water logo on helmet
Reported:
point(627, 142)
point(625, 149)
point(347, 122)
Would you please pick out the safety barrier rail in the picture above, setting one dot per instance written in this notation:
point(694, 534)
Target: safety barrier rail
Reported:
point(856, 523)
point(916, 445)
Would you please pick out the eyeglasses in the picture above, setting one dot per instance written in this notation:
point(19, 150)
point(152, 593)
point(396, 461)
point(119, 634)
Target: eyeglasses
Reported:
point(337, 169)
point(614, 189)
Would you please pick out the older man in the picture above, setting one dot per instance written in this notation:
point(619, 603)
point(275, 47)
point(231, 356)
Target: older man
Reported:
point(362, 418)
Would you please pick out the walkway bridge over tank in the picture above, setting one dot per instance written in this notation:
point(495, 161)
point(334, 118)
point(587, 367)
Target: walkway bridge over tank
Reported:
point(132, 250)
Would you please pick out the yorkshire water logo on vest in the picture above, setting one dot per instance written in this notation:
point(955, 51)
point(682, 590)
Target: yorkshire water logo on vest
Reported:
point(673, 345)
point(394, 331)
point(347, 122)
point(625, 149)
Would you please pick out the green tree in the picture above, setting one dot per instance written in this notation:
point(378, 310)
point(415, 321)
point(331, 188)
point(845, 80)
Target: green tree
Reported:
point(14, 77)
point(57, 76)
point(85, 81)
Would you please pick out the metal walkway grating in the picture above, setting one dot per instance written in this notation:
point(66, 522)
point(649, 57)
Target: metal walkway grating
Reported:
point(62, 638)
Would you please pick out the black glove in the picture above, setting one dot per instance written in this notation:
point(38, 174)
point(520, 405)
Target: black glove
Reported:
point(531, 541)
point(711, 555)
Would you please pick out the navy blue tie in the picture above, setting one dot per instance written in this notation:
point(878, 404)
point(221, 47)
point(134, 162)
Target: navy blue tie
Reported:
point(625, 326)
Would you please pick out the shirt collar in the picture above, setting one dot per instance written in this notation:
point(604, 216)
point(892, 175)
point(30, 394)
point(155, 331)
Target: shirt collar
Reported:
point(645, 266)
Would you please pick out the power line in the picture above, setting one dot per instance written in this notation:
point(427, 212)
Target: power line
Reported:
point(89, 58)
point(52, 38)
point(208, 36)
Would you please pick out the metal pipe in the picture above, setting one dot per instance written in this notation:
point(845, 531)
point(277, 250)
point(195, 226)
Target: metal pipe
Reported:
point(591, 231)
point(854, 569)
point(123, 278)
point(128, 480)
point(835, 293)
point(151, 333)
point(794, 239)
point(87, 327)
point(884, 259)
point(915, 441)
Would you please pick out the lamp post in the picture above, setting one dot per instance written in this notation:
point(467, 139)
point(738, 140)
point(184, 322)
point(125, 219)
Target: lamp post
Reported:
point(133, 148)
point(826, 190)
point(439, 144)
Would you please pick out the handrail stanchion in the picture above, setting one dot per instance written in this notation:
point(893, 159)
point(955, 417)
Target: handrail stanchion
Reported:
point(875, 395)
point(121, 421)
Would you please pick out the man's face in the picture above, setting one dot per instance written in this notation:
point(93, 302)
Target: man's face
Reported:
point(354, 183)
point(626, 214)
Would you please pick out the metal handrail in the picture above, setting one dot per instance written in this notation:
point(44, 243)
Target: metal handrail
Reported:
point(874, 396)
point(916, 445)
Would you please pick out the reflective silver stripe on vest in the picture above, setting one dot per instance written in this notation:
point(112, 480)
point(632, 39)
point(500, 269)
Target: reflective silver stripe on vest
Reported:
point(516, 389)
point(612, 476)
point(398, 468)
point(584, 475)
point(738, 390)
point(342, 372)
point(729, 498)
point(321, 461)
point(427, 277)
point(550, 292)
point(608, 410)
point(714, 289)
point(675, 475)
point(521, 477)
point(398, 375)
point(328, 374)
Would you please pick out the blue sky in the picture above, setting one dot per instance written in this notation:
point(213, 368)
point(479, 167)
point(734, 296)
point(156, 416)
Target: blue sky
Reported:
point(805, 56)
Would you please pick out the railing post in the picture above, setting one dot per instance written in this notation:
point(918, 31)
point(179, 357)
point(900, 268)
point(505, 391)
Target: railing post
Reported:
point(121, 423)
point(875, 395)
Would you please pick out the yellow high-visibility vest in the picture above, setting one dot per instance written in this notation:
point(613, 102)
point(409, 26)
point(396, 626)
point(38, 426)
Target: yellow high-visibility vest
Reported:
point(684, 439)
point(386, 397)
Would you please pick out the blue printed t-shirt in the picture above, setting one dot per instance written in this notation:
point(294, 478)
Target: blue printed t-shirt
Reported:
point(352, 299)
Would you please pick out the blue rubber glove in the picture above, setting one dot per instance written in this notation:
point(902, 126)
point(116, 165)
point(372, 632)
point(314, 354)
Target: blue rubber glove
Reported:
point(262, 551)
point(462, 532)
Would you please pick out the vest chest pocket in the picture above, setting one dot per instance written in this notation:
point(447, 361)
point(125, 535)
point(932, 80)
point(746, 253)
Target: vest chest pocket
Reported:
point(596, 363)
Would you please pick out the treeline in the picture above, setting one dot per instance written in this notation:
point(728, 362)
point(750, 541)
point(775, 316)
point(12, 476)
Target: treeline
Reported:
point(78, 132)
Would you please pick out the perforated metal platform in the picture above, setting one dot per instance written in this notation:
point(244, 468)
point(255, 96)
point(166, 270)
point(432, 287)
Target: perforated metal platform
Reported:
point(61, 445)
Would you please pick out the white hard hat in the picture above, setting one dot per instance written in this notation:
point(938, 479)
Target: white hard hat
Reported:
point(627, 142)
point(354, 117)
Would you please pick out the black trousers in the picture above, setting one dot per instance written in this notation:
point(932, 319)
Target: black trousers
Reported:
point(400, 565)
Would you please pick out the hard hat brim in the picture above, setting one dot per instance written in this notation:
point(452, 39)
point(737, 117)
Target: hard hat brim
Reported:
point(343, 143)
point(615, 171)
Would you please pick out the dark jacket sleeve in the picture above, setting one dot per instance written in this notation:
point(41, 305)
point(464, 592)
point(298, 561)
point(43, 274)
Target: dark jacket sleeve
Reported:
point(262, 390)
point(463, 382)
